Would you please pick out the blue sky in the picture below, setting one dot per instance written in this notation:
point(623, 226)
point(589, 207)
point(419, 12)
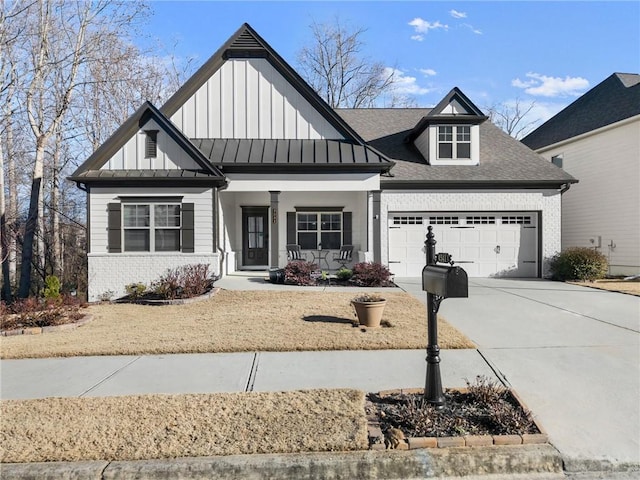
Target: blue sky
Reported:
point(544, 51)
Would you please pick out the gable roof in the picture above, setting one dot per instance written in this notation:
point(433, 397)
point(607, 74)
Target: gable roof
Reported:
point(127, 130)
point(504, 161)
point(246, 43)
point(614, 99)
point(473, 116)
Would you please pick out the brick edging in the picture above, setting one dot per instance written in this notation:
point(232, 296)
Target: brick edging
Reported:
point(52, 328)
point(377, 439)
point(177, 301)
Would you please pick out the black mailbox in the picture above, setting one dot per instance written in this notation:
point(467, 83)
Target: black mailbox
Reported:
point(446, 282)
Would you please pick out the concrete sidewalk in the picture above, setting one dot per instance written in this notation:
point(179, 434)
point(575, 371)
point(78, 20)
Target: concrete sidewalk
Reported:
point(368, 370)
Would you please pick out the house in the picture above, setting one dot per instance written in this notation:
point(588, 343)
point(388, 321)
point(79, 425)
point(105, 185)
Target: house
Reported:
point(245, 158)
point(597, 139)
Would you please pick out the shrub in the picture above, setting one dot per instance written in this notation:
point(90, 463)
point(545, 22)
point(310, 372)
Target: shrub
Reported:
point(371, 274)
point(300, 273)
point(135, 290)
point(344, 274)
point(51, 287)
point(184, 282)
point(578, 263)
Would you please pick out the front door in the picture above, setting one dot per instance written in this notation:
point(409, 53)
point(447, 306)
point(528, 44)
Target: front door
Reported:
point(255, 236)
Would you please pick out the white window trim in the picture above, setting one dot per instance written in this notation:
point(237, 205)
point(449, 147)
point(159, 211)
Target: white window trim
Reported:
point(434, 141)
point(151, 228)
point(318, 231)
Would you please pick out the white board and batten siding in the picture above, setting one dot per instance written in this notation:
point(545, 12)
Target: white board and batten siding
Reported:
point(249, 98)
point(169, 155)
point(112, 271)
point(603, 209)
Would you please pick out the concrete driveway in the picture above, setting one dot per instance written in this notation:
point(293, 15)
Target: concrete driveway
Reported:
point(572, 353)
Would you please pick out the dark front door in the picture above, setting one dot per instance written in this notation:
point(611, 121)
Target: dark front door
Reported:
point(255, 236)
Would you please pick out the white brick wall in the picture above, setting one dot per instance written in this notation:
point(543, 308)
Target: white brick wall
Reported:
point(548, 202)
point(114, 271)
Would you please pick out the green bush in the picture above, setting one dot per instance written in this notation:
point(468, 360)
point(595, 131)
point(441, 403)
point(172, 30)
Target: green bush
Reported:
point(578, 263)
point(135, 290)
point(344, 274)
point(51, 287)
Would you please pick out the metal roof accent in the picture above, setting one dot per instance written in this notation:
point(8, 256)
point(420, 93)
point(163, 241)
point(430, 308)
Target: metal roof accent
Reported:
point(129, 128)
point(614, 99)
point(143, 177)
point(242, 155)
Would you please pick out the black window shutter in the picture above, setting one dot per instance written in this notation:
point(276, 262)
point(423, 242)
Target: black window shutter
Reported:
point(187, 228)
point(114, 225)
point(291, 228)
point(346, 228)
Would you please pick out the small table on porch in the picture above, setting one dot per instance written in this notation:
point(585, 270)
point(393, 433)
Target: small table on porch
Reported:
point(319, 256)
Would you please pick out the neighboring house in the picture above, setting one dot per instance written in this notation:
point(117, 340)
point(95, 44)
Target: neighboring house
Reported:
point(245, 158)
point(597, 139)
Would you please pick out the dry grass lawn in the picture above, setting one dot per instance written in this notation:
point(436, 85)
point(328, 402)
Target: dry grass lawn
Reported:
point(238, 321)
point(613, 285)
point(169, 426)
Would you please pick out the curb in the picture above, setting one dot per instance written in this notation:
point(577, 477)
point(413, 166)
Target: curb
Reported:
point(423, 463)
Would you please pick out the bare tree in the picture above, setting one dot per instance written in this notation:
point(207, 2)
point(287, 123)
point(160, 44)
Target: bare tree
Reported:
point(334, 67)
point(513, 117)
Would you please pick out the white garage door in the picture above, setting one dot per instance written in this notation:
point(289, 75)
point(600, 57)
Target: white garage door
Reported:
point(485, 245)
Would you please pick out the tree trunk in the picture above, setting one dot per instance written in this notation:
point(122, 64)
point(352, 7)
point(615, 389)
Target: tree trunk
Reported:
point(54, 210)
point(4, 244)
point(32, 222)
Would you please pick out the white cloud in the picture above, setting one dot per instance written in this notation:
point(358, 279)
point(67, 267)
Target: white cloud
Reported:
point(472, 28)
point(417, 38)
point(457, 14)
point(405, 84)
point(428, 72)
point(423, 26)
point(545, 86)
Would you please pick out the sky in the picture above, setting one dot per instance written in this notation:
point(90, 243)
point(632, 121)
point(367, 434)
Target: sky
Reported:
point(542, 52)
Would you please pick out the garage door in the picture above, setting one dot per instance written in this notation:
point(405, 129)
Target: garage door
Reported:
point(485, 245)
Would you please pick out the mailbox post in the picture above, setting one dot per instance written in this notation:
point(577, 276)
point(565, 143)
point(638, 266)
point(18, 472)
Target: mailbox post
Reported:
point(439, 282)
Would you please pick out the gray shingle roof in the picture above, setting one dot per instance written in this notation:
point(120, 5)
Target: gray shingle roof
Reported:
point(243, 155)
point(503, 160)
point(614, 99)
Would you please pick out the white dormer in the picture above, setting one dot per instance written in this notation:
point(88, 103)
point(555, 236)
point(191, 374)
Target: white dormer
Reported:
point(450, 133)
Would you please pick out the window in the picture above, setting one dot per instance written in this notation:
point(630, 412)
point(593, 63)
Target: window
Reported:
point(317, 228)
point(481, 220)
point(151, 144)
point(454, 142)
point(151, 228)
point(557, 160)
point(444, 220)
point(408, 220)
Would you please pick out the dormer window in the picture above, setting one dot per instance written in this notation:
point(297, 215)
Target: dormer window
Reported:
point(151, 144)
point(454, 142)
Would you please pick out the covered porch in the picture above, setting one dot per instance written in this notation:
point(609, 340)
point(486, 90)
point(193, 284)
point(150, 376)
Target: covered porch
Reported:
point(260, 217)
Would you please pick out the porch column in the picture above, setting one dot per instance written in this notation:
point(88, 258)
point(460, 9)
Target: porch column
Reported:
point(377, 252)
point(274, 243)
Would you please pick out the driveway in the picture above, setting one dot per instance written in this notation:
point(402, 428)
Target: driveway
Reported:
point(572, 353)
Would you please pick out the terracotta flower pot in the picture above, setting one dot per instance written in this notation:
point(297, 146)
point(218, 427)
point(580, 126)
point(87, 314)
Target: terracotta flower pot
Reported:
point(369, 313)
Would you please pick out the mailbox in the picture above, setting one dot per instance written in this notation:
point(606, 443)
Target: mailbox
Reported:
point(446, 282)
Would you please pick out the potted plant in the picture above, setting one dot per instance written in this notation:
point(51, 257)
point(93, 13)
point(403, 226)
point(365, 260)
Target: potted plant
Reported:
point(369, 308)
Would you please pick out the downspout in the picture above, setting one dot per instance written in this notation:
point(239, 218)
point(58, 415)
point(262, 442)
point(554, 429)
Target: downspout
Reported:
point(216, 226)
point(566, 187)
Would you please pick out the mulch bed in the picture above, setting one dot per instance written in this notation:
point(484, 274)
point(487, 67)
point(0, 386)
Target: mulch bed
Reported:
point(484, 410)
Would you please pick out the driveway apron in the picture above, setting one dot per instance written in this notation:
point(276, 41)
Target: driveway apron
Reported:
point(571, 352)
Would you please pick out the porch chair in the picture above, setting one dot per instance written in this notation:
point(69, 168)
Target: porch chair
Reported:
point(344, 256)
point(294, 253)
